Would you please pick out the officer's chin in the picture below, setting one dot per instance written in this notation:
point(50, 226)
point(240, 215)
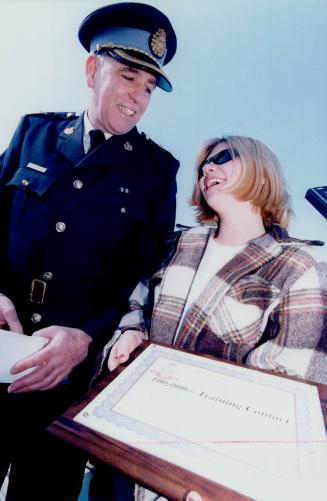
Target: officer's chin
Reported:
point(120, 130)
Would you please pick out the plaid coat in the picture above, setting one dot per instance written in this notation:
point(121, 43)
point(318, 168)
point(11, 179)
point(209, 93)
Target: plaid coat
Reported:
point(267, 307)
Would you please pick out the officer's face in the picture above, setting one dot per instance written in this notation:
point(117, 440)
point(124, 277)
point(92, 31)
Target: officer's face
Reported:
point(120, 94)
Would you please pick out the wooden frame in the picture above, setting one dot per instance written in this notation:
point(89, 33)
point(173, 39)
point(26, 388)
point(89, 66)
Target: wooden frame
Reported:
point(158, 475)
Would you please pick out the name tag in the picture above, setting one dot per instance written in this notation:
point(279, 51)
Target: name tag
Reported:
point(39, 168)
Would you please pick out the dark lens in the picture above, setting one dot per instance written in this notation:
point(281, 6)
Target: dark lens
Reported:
point(222, 157)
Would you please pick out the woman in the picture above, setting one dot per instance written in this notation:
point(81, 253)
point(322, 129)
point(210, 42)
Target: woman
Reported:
point(237, 287)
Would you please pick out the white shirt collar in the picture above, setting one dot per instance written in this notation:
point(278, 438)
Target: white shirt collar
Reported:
point(86, 136)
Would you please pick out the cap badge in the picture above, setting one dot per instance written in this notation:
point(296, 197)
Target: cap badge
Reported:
point(158, 42)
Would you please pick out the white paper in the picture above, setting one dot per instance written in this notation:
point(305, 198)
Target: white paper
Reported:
point(13, 348)
point(256, 433)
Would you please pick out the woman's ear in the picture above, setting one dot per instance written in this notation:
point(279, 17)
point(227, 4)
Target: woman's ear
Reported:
point(90, 70)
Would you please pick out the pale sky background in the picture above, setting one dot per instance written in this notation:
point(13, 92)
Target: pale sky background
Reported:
point(252, 67)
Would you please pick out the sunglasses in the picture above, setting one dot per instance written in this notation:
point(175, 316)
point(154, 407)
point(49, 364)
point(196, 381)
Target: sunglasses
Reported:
point(222, 157)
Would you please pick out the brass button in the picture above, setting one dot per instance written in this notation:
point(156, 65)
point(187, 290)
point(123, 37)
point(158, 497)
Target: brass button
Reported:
point(60, 227)
point(36, 318)
point(78, 184)
point(47, 275)
point(128, 146)
point(25, 182)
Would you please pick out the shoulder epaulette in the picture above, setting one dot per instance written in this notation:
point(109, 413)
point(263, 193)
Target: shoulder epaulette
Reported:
point(66, 115)
point(154, 143)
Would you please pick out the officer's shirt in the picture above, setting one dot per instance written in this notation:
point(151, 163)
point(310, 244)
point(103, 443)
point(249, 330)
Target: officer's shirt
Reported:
point(88, 126)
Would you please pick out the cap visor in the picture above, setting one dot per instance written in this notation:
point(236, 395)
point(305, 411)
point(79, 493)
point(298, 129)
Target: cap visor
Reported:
point(162, 80)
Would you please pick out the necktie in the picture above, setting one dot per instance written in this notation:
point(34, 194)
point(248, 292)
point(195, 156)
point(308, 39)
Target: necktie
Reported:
point(96, 138)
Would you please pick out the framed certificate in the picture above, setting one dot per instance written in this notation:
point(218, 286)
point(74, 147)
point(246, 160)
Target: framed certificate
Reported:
point(177, 421)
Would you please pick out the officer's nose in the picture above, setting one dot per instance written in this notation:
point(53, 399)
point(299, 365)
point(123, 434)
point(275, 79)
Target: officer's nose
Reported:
point(137, 94)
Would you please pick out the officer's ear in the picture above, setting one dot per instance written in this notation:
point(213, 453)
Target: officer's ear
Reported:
point(90, 70)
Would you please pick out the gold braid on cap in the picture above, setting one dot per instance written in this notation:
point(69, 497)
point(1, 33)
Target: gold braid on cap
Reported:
point(111, 45)
point(132, 59)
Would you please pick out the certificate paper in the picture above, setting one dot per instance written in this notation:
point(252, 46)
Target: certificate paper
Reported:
point(256, 433)
point(13, 348)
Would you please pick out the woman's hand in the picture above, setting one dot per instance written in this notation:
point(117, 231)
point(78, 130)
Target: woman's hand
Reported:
point(122, 348)
point(193, 496)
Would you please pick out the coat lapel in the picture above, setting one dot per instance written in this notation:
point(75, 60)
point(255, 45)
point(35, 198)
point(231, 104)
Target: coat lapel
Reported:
point(176, 281)
point(71, 141)
point(117, 150)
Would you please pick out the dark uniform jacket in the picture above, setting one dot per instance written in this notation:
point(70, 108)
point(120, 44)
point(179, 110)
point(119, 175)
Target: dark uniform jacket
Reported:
point(78, 231)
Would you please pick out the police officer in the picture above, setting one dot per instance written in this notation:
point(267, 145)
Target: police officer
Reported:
point(86, 204)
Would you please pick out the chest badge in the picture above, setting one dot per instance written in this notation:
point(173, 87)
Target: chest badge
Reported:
point(69, 130)
point(128, 146)
point(37, 167)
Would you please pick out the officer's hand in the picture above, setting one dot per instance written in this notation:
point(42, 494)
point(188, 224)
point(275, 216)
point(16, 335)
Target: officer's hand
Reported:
point(8, 315)
point(122, 349)
point(67, 348)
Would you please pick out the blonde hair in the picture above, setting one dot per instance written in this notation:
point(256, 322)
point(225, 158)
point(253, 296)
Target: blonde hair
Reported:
point(261, 181)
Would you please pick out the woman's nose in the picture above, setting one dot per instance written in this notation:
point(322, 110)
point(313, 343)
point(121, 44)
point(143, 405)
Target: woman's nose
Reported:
point(210, 167)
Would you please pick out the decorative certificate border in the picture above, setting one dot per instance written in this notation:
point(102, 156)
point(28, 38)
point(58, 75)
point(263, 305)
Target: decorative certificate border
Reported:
point(103, 412)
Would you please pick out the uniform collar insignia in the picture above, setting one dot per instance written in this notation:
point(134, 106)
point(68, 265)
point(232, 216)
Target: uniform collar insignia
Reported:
point(69, 130)
point(128, 146)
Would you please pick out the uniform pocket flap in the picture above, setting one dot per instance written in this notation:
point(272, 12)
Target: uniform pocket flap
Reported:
point(30, 179)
